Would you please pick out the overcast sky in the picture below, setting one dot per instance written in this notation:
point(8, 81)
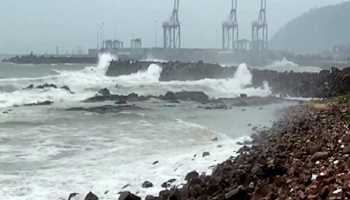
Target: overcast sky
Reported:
point(41, 25)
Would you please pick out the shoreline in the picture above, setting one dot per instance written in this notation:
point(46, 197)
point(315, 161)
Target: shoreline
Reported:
point(305, 155)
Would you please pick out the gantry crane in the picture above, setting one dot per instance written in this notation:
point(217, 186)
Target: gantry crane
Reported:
point(260, 29)
point(230, 29)
point(172, 29)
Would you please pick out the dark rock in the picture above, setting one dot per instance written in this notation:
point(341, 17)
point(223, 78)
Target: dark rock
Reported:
point(91, 196)
point(106, 108)
point(191, 175)
point(125, 186)
point(67, 89)
point(121, 102)
point(237, 193)
point(104, 92)
point(200, 97)
point(205, 154)
point(31, 86)
point(319, 156)
point(170, 96)
point(43, 103)
point(72, 195)
point(147, 184)
point(46, 85)
point(168, 183)
point(155, 162)
point(150, 197)
point(133, 97)
point(128, 196)
point(243, 95)
point(346, 149)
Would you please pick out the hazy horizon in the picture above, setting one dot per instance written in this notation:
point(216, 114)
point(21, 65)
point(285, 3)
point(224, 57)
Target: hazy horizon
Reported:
point(41, 25)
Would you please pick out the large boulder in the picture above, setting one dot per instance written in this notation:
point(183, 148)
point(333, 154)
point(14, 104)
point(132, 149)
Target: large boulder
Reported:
point(91, 196)
point(128, 196)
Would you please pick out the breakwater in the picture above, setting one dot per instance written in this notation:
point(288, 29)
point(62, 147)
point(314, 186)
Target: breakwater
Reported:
point(327, 83)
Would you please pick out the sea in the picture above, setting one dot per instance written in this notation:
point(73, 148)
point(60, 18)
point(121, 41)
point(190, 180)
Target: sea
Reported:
point(50, 151)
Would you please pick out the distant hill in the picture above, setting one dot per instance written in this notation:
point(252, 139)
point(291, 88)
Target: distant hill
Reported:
point(315, 31)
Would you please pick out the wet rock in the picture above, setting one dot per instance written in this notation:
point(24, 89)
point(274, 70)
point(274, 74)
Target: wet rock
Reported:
point(122, 101)
point(133, 97)
point(147, 184)
point(150, 197)
point(128, 196)
point(243, 95)
point(319, 156)
point(346, 149)
point(200, 97)
point(168, 183)
point(67, 89)
point(72, 195)
point(106, 108)
point(170, 96)
point(125, 186)
point(155, 162)
point(191, 175)
point(42, 103)
point(31, 86)
point(205, 154)
point(237, 193)
point(46, 85)
point(104, 92)
point(91, 196)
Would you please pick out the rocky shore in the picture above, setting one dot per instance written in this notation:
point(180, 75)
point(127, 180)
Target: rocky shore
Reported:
point(306, 155)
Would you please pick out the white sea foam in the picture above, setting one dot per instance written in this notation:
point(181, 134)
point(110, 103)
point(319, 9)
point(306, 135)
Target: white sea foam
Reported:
point(285, 65)
point(147, 83)
point(86, 82)
point(150, 76)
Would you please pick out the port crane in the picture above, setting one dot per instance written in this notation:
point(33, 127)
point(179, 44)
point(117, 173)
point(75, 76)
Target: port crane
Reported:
point(260, 30)
point(172, 29)
point(230, 29)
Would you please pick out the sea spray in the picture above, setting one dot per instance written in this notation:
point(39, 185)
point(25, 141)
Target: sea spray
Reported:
point(285, 65)
point(84, 83)
point(149, 76)
point(243, 76)
point(104, 61)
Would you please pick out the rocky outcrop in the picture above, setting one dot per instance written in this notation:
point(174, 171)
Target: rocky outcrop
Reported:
point(48, 85)
point(200, 97)
point(106, 108)
point(40, 103)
